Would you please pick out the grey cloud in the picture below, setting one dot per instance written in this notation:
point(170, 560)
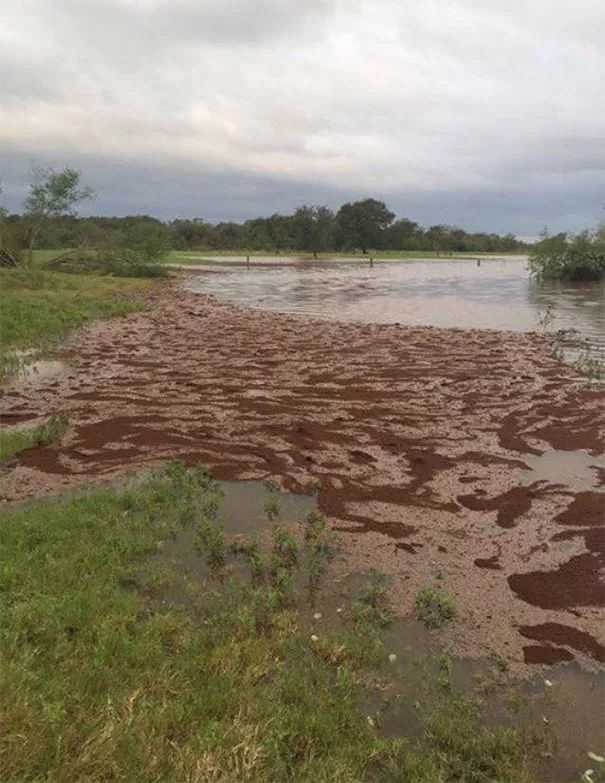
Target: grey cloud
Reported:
point(467, 108)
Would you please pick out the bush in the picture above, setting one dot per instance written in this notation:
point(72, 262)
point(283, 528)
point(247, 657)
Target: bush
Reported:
point(581, 257)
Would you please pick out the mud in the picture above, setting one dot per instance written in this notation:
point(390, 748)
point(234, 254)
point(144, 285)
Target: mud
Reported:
point(418, 441)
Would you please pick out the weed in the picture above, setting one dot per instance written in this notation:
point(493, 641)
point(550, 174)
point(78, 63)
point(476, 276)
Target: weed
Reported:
point(546, 318)
point(434, 608)
point(250, 551)
point(319, 550)
point(590, 365)
point(371, 606)
point(210, 540)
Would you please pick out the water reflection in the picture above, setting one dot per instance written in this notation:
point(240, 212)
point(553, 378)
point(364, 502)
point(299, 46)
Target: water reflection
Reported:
point(498, 294)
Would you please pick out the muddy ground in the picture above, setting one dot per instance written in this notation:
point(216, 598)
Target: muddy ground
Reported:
point(418, 441)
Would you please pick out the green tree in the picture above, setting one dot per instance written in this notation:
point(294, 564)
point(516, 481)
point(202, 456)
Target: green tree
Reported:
point(52, 194)
point(313, 228)
point(404, 234)
point(364, 223)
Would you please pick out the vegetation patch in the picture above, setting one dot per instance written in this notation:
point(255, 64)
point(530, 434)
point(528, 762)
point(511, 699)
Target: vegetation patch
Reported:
point(434, 608)
point(103, 679)
point(13, 441)
point(574, 258)
point(39, 308)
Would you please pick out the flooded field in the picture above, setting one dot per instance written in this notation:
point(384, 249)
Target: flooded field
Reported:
point(484, 294)
point(563, 707)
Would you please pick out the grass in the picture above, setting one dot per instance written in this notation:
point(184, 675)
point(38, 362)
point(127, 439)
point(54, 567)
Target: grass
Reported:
point(101, 679)
point(39, 308)
point(13, 441)
point(434, 608)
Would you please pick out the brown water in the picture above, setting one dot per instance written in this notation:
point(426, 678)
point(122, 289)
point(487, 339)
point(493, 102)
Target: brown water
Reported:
point(563, 705)
point(496, 294)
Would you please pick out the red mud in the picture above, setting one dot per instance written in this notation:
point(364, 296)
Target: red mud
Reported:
point(414, 437)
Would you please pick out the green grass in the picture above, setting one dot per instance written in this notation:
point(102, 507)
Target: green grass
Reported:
point(434, 608)
point(39, 308)
point(15, 440)
point(102, 680)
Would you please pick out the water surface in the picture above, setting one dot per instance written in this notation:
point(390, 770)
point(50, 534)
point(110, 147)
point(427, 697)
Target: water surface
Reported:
point(490, 294)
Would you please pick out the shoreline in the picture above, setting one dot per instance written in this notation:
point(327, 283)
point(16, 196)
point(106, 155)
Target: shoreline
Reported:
point(417, 438)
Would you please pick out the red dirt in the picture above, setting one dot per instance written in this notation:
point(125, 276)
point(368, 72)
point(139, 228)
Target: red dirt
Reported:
point(414, 437)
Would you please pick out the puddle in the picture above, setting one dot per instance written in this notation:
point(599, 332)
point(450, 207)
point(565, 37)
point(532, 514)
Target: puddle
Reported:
point(242, 513)
point(43, 369)
point(567, 713)
point(29, 368)
point(576, 469)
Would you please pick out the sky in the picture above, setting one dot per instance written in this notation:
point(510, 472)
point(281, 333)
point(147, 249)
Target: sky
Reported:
point(487, 114)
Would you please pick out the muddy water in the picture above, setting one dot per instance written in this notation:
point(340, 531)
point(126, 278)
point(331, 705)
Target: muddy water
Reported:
point(563, 707)
point(496, 294)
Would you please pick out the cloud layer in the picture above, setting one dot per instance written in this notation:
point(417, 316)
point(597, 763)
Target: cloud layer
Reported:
point(477, 112)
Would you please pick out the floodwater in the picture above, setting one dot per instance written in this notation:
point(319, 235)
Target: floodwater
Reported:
point(486, 294)
point(562, 705)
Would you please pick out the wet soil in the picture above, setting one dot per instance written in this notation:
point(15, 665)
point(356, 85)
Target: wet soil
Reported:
point(418, 441)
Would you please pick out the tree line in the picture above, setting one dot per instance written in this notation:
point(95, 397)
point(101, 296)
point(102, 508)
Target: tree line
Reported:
point(367, 225)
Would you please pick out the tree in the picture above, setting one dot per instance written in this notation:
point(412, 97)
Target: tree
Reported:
point(363, 223)
point(313, 228)
point(404, 234)
point(52, 194)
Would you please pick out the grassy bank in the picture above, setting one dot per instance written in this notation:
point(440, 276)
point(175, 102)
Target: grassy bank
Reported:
point(39, 308)
point(102, 678)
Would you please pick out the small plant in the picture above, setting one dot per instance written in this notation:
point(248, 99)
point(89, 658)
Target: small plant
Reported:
point(284, 561)
point(589, 365)
point(546, 318)
point(434, 608)
point(318, 551)
point(444, 664)
point(371, 606)
point(250, 551)
point(52, 430)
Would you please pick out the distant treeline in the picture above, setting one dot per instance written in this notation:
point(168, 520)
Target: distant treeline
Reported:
point(363, 225)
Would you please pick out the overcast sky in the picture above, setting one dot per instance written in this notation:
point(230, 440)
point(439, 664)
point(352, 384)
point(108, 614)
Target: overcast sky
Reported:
point(489, 114)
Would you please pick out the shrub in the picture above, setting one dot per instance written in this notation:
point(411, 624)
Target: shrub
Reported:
point(581, 257)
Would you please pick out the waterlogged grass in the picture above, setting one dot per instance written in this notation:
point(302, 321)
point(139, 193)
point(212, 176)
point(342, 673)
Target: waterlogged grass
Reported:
point(39, 308)
point(15, 440)
point(102, 680)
